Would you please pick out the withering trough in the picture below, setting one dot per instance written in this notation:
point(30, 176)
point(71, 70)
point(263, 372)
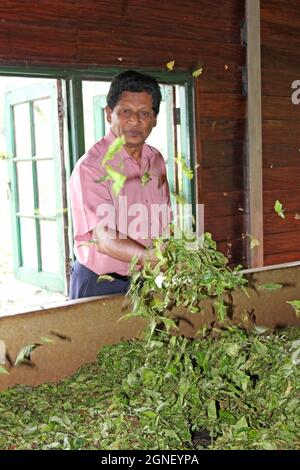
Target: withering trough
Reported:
point(81, 328)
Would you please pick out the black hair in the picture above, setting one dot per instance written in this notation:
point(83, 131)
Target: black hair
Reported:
point(136, 82)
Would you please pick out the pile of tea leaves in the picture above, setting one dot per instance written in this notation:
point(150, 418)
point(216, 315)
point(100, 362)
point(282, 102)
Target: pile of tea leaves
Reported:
point(230, 389)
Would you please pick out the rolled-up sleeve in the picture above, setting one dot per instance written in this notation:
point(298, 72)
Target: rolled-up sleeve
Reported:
point(88, 196)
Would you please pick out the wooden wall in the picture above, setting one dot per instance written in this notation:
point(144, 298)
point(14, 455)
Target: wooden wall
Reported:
point(280, 35)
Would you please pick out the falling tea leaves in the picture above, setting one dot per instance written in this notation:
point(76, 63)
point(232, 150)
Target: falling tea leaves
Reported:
point(170, 65)
point(185, 169)
point(278, 207)
point(296, 306)
point(24, 355)
point(197, 73)
point(270, 286)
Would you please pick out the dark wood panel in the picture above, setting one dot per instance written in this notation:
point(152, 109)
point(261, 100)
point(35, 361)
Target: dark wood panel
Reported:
point(187, 10)
point(31, 42)
point(234, 250)
point(280, 108)
point(41, 12)
point(283, 12)
point(225, 228)
point(222, 79)
point(222, 129)
point(275, 224)
point(282, 243)
point(187, 53)
point(222, 153)
point(280, 132)
point(223, 204)
point(194, 34)
point(278, 81)
point(290, 198)
point(223, 179)
point(281, 178)
point(144, 19)
point(280, 58)
point(281, 155)
point(280, 258)
point(216, 105)
point(282, 36)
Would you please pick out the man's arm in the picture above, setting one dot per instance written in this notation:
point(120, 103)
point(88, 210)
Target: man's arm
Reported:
point(109, 242)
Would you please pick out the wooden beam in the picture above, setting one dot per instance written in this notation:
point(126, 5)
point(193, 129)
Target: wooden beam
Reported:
point(254, 134)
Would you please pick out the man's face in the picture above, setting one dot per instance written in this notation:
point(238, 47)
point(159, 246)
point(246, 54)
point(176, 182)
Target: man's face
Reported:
point(132, 117)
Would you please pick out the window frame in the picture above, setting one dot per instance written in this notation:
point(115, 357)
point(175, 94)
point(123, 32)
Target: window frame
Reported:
point(73, 78)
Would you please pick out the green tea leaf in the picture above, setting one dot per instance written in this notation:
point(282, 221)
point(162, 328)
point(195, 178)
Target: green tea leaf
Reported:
point(278, 207)
point(270, 286)
point(145, 178)
point(178, 198)
point(241, 424)
point(181, 163)
point(117, 178)
point(3, 370)
point(114, 148)
point(170, 65)
point(296, 306)
point(254, 242)
point(47, 340)
point(105, 277)
point(24, 355)
point(197, 73)
point(212, 410)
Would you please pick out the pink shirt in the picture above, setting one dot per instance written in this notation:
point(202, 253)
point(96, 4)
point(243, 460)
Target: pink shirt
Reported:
point(141, 211)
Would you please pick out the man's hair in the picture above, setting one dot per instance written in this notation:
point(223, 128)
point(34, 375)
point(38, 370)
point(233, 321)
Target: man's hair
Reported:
point(136, 82)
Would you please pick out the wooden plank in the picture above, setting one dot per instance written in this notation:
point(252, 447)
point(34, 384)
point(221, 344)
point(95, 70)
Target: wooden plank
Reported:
point(281, 36)
point(280, 132)
point(27, 42)
point(222, 153)
point(290, 198)
point(226, 179)
point(217, 105)
point(280, 108)
point(281, 243)
point(148, 51)
point(280, 258)
point(188, 11)
point(225, 228)
point(281, 155)
point(281, 178)
point(223, 204)
point(165, 22)
point(283, 12)
point(278, 81)
point(222, 129)
point(280, 58)
point(254, 133)
point(275, 224)
point(31, 12)
point(221, 79)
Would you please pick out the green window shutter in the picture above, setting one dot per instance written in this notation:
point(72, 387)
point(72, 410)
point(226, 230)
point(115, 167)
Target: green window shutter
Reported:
point(36, 200)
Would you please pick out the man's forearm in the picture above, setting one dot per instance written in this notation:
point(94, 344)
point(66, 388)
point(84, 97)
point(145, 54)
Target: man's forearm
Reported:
point(109, 243)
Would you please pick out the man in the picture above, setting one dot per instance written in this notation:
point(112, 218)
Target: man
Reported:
point(129, 217)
